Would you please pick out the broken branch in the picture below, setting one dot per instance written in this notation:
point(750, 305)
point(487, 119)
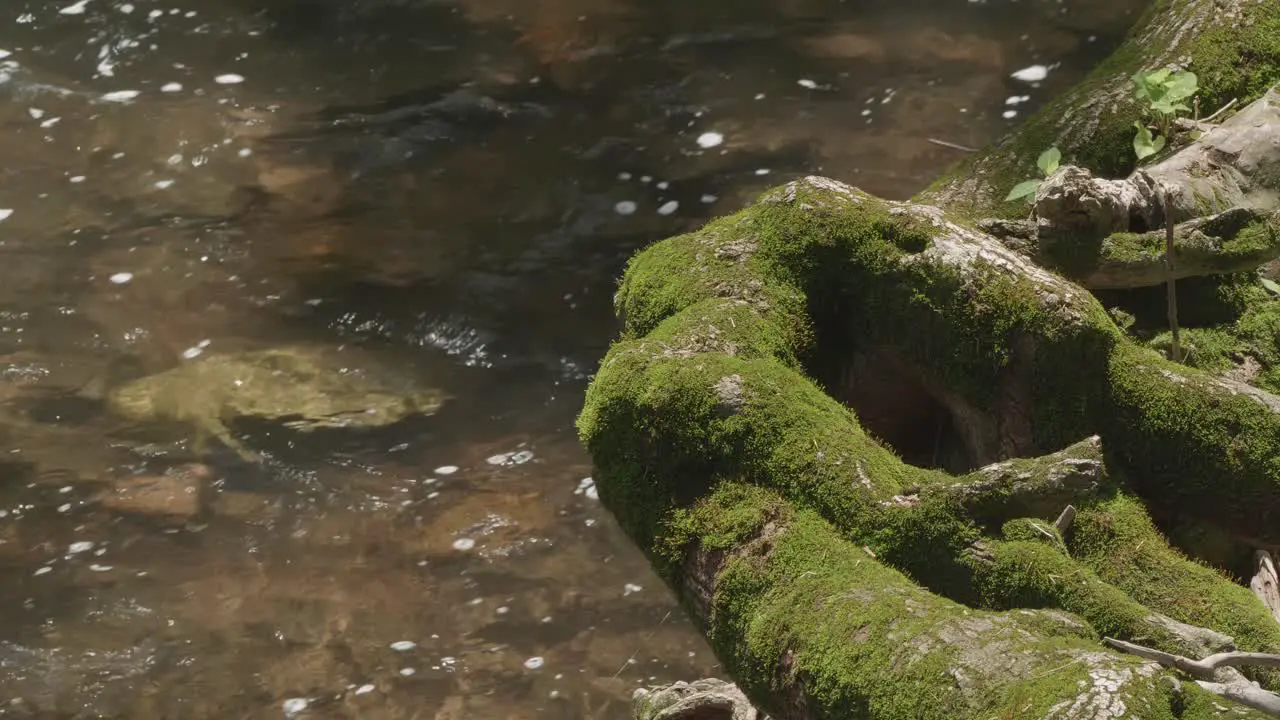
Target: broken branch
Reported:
point(1202, 669)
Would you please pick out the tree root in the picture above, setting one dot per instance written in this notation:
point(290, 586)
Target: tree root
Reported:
point(1216, 673)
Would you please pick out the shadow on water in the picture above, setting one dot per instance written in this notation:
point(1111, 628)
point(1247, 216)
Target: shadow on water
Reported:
point(446, 187)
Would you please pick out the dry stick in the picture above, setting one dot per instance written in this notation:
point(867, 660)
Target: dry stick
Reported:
point(1266, 583)
point(952, 145)
point(1175, 355)
point(1221, 110)
point(1240, 690)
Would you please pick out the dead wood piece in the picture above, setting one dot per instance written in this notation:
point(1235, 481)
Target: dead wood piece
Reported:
point(1266, 583)
point(1216, 673)
point(1065, 519)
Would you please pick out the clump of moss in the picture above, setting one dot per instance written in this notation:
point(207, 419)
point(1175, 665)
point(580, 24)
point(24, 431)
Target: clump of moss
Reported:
point(1117, 539)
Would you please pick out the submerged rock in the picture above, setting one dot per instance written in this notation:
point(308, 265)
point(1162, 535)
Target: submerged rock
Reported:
point(707, 699)
point(178, 494)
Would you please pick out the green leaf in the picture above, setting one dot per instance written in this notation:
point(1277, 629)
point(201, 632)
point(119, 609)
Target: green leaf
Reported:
point(1158, 145)
point(1023, 189)
point(1181, 86)
point(1270, 284)
point(1143, 144)
point(1048, 161)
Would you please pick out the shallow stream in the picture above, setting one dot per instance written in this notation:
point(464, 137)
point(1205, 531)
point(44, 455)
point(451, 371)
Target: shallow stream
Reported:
point(453, 187)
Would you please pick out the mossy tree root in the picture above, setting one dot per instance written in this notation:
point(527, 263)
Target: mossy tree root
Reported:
point(806, 532)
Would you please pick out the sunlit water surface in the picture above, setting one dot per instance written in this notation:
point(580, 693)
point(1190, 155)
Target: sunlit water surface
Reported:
point(452, 186)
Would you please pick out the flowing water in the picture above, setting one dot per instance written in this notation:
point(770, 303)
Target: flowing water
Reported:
point(452, 186)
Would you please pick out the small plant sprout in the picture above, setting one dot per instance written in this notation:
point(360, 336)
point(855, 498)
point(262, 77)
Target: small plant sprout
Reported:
point(1164, 91)
point(1047, 162)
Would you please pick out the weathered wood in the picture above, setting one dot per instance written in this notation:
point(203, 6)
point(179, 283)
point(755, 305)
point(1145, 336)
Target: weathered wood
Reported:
point(1266, 583)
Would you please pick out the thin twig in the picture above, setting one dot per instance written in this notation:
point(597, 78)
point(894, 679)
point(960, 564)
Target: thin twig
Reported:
point(953, 146)
point(1174, 353)
point(1221, 110)
point(1200, 669)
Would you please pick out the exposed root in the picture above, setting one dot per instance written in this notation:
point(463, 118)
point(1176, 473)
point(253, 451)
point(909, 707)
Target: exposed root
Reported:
point(1216, 673)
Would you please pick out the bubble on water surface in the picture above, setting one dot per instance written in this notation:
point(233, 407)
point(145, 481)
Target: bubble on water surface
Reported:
point(121, 95)
point(163, 184)
point(5, 213)
point(121, 278)
point(533, 663)
point(668, 207)
point(762, 171)
point(293, 706)
point(463, 544)
point(446, 469)
point(406, 672)
point(625, 207)
point(403, 645)
point(77, 179)
point(229, 79)
point(79, 547)
point(708, 199)
point(663, 185)
point(807, 84)
point(35, 113)
point(366, 688)
point(42, 570)
point(631, 588)
point(101, 568)
point(172, 87)
point(710, 139)
point(1009, 114)
point(75, 8)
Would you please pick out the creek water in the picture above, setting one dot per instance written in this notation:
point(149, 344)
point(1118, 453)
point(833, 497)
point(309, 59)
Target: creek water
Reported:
point(450, 185)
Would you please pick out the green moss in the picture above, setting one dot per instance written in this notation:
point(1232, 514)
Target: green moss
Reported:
point(1240, 60)
point(796, 604)
point(1117, 539)
point(1187, 442)
point(1208, 349)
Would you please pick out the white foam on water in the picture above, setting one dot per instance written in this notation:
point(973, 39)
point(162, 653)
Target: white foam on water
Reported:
point(229, 79)
point(446, 469)
point(709, 140)
point(668, 207)
point(366, 688)
point(463, 544)
point(403, 645)
point(75, 8)
point(807, 83)
point(625, 207)
point(293, 706)
point(121, 95)
point(121, 278)
point(79, 547)
point(1032, 73)
point(172, 87)
point(533, 663)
